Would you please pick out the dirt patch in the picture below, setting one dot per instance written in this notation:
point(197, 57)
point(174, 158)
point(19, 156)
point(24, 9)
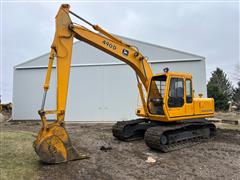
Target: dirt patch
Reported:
point(218, 158)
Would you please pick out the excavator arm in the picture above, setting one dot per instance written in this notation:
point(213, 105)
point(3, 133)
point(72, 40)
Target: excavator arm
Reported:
point(53, 144)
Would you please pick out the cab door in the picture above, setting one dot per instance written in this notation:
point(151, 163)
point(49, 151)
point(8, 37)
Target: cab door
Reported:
point(176, 100)
point(189, 97)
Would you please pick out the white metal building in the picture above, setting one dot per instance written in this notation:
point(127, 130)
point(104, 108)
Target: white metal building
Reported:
point(101, 88)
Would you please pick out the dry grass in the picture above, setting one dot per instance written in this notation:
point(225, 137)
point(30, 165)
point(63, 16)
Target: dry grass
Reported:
point(227, 126)
point(228, 115)
point(17, 158)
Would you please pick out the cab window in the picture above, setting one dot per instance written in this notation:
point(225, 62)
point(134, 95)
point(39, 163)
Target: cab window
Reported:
point(176, 93)
point(156, 94)
point(189, 91)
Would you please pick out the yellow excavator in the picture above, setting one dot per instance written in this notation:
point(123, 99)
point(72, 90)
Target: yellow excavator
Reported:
point(171, 116)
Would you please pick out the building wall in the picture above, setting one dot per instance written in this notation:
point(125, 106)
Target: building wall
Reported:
point(96, 93)
point(84, 53)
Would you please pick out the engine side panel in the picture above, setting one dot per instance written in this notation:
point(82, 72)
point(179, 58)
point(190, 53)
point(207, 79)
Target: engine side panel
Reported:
point(203, 106)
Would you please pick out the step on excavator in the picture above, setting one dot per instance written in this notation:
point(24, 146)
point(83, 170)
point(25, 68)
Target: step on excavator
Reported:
point(171, 117)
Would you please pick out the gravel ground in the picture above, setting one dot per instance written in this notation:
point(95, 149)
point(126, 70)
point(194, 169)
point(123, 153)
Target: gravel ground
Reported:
point(218, 158)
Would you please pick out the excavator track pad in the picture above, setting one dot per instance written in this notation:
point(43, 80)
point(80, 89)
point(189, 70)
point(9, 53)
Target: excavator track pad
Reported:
point(174, 137)
point(53, 145)
point(165, 137)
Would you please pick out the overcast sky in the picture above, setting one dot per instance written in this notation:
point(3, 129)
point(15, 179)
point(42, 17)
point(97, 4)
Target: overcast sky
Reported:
point(207, 29)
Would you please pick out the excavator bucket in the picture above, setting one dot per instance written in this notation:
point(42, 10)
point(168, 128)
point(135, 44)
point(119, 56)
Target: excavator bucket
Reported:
point(53, 145)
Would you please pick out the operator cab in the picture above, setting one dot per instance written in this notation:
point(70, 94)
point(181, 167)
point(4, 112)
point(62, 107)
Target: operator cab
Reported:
point(168, 90)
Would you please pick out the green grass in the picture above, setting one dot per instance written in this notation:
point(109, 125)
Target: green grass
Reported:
point(17, 157)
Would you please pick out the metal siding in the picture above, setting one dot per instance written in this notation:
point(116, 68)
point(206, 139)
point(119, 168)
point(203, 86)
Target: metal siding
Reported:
point(27, 93)
point(85, 94)
point(86, 54)
point(101, 93)
point(96, 93)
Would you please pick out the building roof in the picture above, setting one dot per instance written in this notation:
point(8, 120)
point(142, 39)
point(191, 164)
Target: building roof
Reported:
point(84, 54)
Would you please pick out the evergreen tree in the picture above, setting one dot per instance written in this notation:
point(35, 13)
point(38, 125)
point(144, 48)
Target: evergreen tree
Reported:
point(220, 88)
